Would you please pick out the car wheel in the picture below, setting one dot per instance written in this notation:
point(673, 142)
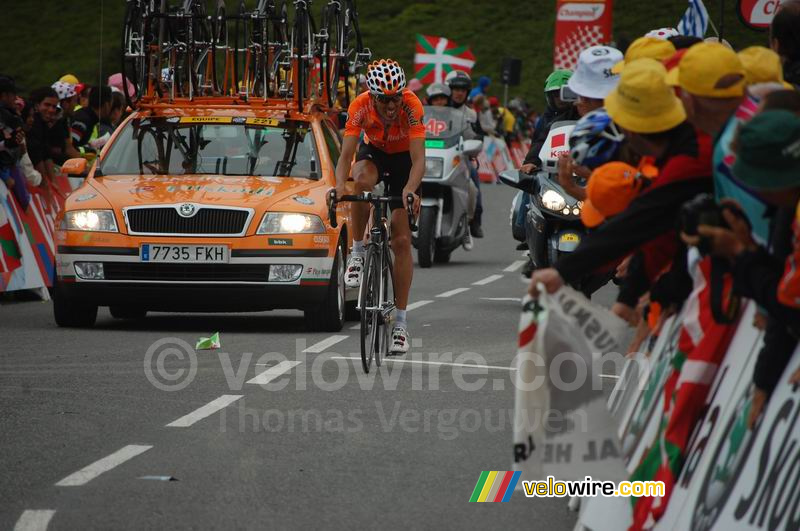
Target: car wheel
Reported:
point(329, 316)
point(127, 312)
point(70, 313)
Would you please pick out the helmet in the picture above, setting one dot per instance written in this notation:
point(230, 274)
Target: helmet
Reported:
point(64, 90)
point(595, 140)
point(385, 77)
point(437, 89)
point(556, 80)
point(663, 33)
point(458, 79)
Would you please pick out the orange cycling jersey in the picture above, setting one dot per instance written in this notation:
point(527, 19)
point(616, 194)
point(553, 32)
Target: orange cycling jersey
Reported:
point(389, 138)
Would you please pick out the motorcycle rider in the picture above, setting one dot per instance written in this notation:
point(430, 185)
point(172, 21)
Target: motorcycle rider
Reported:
point(438, 94)
point(460, 84)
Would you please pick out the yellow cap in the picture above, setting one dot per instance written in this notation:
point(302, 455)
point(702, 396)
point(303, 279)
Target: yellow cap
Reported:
point(711, 70)
point(645, 47)
point(642, 101)
point(761, 65)
point(69, 78)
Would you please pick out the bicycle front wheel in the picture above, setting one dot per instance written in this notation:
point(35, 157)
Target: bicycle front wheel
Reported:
point(369, 298)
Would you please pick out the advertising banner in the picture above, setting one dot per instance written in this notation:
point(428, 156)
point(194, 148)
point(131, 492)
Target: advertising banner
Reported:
point(580, 24)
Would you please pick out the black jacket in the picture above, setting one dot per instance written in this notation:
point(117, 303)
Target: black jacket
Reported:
point(549, 117)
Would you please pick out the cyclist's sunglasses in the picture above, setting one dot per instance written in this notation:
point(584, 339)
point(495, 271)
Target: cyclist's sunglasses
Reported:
point(388, 99)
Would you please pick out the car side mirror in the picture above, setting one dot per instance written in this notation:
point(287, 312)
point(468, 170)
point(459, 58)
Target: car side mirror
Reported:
point(517, 179)
point(472, 148)
point(76, 167)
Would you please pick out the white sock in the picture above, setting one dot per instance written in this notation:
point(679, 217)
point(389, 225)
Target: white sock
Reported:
point(358, 247)
point(400, 318)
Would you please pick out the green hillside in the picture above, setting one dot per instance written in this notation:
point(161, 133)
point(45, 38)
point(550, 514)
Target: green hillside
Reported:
point(44, 39)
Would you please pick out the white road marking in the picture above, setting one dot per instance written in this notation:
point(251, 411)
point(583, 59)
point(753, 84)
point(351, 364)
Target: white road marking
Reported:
point(316, 348)
point(88, 473)
point(415, 305)
point(487, 280)
point(502, 299)
point(356, 327)
point(273, 372)
point(34, 520)
point(514, 266)
point(468, 365)
point(31, 520)
point(205, 411)
point(452, 292)
point(614, 376)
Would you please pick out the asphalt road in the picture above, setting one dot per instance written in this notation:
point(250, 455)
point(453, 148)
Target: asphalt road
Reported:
point(82, 424)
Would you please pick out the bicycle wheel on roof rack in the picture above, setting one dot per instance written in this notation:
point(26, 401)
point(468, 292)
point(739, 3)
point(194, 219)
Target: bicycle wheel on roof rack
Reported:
point(200, 47)
point(279, 48)
point(259, 37)
point(331, 50)
point(299, 51)
point(134, 43)
point(353, 45)
point(240, 46)
point(219, 45)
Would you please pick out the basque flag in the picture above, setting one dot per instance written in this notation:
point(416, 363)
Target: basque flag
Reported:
point(436, 57)
point(695, 21)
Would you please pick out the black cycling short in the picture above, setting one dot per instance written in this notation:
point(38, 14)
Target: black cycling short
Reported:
point(397, 168)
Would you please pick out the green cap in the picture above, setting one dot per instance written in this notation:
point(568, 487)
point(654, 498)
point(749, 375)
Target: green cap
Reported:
point(557, 79)
point(769, 151)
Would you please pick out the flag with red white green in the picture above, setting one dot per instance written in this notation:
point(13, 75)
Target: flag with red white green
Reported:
point(437, 56)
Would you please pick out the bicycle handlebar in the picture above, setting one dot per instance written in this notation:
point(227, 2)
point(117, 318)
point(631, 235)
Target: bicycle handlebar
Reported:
point(369, 197)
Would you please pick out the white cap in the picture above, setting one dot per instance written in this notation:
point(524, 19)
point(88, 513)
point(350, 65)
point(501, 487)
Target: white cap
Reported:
point(593, 77)
point(662, 33)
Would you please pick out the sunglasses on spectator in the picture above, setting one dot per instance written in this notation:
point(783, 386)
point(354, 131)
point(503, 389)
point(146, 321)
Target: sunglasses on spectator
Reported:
point(388, 99)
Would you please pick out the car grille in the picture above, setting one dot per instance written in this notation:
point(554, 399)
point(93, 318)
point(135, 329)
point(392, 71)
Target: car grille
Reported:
point(220, 221)
point(186, 272)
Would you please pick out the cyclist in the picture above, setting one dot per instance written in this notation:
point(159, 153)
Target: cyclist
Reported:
point(393, 151)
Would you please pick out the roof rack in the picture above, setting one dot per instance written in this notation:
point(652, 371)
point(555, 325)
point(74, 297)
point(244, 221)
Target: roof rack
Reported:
point(182, 55)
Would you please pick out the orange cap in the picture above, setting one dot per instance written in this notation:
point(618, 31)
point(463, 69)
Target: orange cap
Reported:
point(611, 188)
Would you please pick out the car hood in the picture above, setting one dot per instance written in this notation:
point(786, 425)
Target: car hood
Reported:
point(253, 192)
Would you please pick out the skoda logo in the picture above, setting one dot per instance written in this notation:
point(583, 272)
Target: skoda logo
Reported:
point(187, 210)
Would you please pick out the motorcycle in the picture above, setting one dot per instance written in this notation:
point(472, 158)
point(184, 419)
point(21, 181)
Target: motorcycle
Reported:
point(552, 223)
point(448, 194)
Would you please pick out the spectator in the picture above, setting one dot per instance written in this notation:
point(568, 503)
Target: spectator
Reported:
point(654, 123)
point(107, 126)
point(38, 139)
point(594, 78)
point(485, 119)
point(503, 118)
point(12, 143)
point(438, 94)
point(683, 42)
point(34, 177)
point(645, 47)
point(480, 90)
point(86, 121)
point(761, 65)
point(784, 38)
point(60, 141)
point(768, 161)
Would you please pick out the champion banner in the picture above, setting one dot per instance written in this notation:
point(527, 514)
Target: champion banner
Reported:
point(561, 425)
point(437, 56)
point(580, 24)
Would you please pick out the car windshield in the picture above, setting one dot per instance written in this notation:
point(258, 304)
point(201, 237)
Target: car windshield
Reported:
point(192, 145)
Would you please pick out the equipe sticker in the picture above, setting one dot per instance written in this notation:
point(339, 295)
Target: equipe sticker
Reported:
point(286, 242)
point(206, 119)
point(272, 122)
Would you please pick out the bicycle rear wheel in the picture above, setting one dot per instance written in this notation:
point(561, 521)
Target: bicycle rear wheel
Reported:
point(369, 298)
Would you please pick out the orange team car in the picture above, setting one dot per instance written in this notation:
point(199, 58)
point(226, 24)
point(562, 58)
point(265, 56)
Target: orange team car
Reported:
point(206, 208)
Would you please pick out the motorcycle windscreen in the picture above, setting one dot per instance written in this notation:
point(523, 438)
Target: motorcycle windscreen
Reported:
point(443, 126)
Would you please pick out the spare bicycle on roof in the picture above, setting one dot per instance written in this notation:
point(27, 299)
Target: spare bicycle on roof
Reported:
point(193, 49)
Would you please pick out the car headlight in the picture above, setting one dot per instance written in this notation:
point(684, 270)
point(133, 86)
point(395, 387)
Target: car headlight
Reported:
point(288, 223)
point(434, 167)
point(552, 200)
point(90, 220)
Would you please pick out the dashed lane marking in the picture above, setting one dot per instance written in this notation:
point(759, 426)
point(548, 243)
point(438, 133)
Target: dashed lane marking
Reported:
point(316, 348)
point(88, 473)
point(415, 305)
point(273, 372)
point(487, 280)
point(34, 520)
point(514, 266)
point(452, 292)
point(205, 411)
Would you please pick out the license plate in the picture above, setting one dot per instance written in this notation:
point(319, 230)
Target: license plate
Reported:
point(569, 238)
point(152, 252)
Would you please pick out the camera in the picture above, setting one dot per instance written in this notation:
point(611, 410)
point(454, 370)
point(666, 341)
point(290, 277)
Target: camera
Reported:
point(704, 210)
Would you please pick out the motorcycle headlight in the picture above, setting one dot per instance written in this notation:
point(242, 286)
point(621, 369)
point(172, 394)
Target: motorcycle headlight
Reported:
point(434, 167)
point(90, 220)
point(552, 200)
point(290, 223)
